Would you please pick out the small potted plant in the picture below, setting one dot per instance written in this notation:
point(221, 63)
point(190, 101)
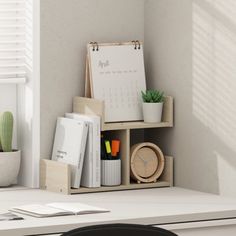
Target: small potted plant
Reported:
point(9, 159)
point(152, 105)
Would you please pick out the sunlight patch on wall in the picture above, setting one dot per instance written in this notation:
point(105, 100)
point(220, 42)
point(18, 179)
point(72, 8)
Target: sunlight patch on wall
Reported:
point(227, 8)
point(214, 67)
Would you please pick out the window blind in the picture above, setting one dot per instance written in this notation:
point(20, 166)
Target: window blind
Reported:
point(13, 20)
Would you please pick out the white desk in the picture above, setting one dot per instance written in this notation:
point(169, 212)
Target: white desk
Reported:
point(151, 206)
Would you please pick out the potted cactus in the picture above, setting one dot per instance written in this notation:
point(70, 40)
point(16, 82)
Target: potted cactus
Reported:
point(152, 105)
point(9, 159)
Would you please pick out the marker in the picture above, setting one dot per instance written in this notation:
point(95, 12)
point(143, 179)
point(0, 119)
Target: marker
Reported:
point(108, 148)
point(115, 147)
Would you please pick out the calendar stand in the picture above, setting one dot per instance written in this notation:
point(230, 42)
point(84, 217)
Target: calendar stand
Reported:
point(115, 74)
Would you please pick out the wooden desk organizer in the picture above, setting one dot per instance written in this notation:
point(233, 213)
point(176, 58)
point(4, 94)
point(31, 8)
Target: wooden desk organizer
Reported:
point(56, 176)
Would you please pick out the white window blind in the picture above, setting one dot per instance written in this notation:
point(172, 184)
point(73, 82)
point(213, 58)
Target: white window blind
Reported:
point(13, 40)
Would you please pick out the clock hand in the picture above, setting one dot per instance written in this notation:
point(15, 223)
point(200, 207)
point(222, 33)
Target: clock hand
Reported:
point(141, 158)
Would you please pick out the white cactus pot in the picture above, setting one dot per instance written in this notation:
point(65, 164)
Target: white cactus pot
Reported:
point(9, 167)
point(152, 112)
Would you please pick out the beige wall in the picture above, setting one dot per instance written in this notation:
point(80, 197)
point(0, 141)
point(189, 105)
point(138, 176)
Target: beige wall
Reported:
point(191, 54)
point(66, 27)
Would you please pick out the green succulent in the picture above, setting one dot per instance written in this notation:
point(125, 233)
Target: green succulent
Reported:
point(6, 131)
point(152, 96)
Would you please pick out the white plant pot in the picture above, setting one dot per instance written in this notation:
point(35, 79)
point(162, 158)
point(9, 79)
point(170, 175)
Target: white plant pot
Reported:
point(9, 167)
point(152, 112)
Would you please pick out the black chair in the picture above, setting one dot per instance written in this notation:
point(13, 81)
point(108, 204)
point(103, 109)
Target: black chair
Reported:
point(119, 230)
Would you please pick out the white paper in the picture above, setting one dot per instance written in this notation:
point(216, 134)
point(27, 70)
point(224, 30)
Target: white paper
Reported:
point(57, 209)
point(39, 210)
point(77, 208)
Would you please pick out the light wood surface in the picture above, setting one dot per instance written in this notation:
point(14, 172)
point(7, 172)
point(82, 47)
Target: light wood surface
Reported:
point(89, 106)
point(168, 110)
point(168, 172)
point(148, 155)
point(96, 107)
point(87, 79)
point(55, 177)
point(117, 130)
point(135, 125)
point(160, 206)
point(114, 44)
point(121, 131)
point(131, 186)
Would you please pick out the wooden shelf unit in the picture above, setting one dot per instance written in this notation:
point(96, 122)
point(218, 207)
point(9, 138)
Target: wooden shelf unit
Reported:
point(55, 176)
point(91, 106)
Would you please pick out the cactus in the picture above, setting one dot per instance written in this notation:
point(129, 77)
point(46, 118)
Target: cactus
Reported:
point(6, 130)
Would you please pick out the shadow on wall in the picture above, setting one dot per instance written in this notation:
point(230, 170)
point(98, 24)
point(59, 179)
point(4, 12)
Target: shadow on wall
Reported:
point(214, 83)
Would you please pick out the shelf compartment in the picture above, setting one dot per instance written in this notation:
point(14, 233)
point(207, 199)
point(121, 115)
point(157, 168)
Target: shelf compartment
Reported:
point(92, 106)
point(124, 137)
point(55, 176)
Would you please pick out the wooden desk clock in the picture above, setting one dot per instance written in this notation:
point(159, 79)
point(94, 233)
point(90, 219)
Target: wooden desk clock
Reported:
point(147, 162)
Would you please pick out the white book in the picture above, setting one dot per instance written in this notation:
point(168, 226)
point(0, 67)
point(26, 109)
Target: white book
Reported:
point(57, 209)
point(69, 146)
point(91, 173)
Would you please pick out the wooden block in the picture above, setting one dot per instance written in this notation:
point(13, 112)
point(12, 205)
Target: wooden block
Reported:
point(124, 136)
point(87, 80)
point(55, 176)
point(132, 186)
point(168, 172)
point(89, 106)
point(135, 125)
point(167, 114)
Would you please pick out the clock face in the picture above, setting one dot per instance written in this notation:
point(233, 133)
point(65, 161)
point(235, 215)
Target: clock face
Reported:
point(145, 162)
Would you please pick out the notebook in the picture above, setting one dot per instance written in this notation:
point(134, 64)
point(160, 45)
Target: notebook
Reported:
point(69, 146)
point(57, 209)
point(91, 172)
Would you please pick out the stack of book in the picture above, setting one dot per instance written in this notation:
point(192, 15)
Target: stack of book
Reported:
point(77, 142)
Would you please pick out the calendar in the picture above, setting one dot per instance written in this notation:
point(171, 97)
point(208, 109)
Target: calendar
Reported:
point(117, 76)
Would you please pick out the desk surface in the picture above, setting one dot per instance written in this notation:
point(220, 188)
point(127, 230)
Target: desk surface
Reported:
point(150, 206)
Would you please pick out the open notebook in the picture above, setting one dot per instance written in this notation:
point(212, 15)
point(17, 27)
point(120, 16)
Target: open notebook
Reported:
point(57, 209)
